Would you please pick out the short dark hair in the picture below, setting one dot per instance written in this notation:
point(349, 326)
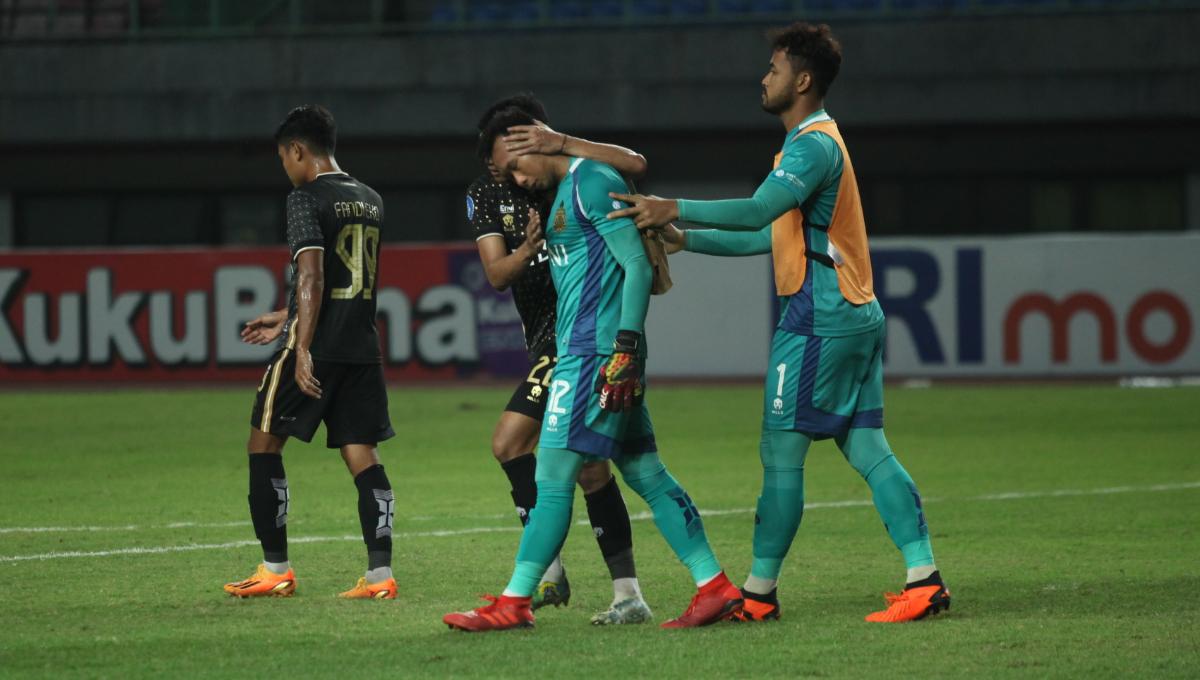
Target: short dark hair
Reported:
point(810, 47)
point(497, 126)
point(312, 125)
point(525, 101)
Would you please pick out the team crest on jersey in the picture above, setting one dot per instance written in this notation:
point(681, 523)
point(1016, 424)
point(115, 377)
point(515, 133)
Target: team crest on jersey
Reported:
point(508, 221)
point(560, 219)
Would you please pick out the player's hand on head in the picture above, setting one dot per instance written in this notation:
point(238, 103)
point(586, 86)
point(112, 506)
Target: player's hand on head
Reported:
point(537, 138)
point(305, 379)
point(647, 212)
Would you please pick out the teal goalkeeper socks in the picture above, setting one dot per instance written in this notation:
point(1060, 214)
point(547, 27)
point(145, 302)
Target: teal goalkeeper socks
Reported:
point(894, 493)
point(781, 504)
point(675, 514)
point(557, 470)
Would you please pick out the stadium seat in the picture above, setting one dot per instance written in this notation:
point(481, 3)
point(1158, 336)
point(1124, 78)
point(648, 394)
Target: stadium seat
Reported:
point(568, 10)
point(689, 8)
point(443, 13)
point(651, 8)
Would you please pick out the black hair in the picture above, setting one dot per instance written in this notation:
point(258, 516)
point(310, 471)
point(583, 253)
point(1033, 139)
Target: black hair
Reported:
point(312, 125)
point(810, 48)
point(525, 101)
point(497, 126)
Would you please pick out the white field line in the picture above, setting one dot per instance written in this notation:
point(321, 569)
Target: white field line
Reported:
point(123, 527)
point(154, 550)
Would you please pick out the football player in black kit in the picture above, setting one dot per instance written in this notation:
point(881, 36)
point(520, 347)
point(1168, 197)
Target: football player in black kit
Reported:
point(508, 227)
point(328, 365)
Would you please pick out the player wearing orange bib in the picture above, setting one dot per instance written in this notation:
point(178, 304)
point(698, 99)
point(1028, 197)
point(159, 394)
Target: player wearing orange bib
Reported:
point(826, 368)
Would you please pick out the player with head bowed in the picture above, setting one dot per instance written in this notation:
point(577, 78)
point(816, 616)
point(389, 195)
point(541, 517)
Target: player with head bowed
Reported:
point(595, 409)
point(328, 364)
point(509, 232)
point(825, 376)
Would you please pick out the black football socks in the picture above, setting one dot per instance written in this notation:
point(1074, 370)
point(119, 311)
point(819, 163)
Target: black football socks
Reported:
point(269, 500)
point(521, 471)
point(375, 512)
point(610, 523)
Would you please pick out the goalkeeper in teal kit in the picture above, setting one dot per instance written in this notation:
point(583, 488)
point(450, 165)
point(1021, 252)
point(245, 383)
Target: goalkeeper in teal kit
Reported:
point(825, 376)
point(595, 408)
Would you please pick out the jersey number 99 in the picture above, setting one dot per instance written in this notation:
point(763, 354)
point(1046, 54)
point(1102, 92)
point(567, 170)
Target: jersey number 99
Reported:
point(357, 245)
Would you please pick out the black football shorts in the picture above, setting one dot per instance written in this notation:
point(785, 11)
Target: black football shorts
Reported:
point(353, 402)
point(529, 399)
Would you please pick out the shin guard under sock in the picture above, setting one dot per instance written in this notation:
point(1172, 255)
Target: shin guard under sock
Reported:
point(610, 523)
point(269, 501)
point(522, 473)
point(781, 505)
point(675, 514)
point(376, 506)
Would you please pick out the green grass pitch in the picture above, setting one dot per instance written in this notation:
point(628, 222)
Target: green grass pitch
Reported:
point(1066, 520)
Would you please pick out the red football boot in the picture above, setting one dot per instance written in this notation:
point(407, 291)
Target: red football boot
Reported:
point(716, 600)
point(503, 613)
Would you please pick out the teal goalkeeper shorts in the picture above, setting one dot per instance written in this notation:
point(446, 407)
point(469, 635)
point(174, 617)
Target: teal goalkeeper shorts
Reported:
point(824, 386)
point(575, 421)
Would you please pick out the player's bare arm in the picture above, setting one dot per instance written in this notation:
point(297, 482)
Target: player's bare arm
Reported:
point(310, 285)
point(539, 138)
point(503, 268)
point(264, 329)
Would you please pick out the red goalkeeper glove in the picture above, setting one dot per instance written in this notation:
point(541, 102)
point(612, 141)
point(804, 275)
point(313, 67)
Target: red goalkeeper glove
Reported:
point(620, 381)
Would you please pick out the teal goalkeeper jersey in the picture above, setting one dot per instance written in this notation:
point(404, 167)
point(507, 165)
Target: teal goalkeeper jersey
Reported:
point(586, 275)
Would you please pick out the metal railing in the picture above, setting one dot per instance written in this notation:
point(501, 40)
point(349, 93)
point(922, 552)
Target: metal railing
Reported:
point(131, 19)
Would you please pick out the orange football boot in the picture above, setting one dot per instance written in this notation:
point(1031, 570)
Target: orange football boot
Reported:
point(503, 613)
point(758, 610)
point(264, 583)
point(913, 604)
point(384, 590)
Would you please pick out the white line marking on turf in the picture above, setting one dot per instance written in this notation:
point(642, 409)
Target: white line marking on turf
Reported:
point(124, 527)
point(154, 550)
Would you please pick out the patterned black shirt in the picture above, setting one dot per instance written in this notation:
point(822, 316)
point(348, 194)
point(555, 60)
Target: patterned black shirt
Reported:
point(343, 217)
point(503, 208)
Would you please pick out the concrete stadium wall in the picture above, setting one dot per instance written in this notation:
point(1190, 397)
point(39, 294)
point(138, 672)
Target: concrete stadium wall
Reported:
point(1137, 66)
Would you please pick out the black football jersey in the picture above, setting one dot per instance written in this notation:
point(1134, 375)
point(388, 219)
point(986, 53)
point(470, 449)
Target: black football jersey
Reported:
point(343, 217)
point(503, 208)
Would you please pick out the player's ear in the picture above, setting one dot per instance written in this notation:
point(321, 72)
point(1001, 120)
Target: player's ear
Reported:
point(803, 82)
point(296, 150)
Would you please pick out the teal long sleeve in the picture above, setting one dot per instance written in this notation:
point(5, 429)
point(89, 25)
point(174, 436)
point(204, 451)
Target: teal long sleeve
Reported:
point(740, 214)
point(625, 244)
point(727, 243)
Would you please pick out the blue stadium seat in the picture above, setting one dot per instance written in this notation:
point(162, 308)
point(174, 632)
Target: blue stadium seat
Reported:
point(608, 9)
point(689, 8)
point(496, 12)
point(734, 6)
point(443, 13)
point(568, 10)
point(930, 4)
point(651, 8)
point(573, 10)
point(771, 6)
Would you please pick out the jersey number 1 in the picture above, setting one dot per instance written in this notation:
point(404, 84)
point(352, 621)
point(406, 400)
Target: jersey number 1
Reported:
point(363, 247)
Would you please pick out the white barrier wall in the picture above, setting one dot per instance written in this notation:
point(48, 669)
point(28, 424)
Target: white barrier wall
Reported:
point(988, 307)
